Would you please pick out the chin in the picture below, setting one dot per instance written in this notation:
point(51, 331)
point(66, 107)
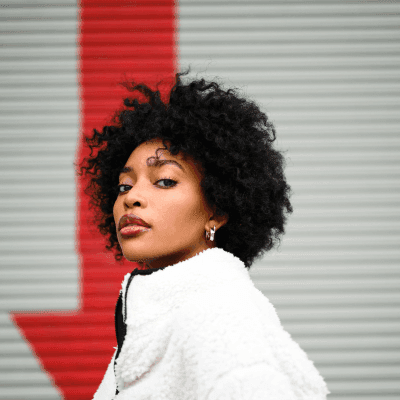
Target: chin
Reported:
point(134, 258)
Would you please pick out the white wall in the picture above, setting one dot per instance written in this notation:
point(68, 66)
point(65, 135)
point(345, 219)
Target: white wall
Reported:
point(38, 133)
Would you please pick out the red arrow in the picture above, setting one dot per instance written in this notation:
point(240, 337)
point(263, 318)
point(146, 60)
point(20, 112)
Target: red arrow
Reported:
point(118, 40)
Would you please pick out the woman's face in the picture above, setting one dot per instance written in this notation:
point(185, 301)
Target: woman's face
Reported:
point(169, 199)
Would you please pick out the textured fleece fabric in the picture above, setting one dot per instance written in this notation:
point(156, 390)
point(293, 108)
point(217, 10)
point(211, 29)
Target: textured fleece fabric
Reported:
point(200, 329)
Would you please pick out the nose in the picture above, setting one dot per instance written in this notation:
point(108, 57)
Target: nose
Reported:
point(135, 196)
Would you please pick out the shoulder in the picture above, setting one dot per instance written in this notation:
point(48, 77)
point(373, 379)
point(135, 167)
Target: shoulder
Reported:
point(226, 325)
point(236, 304)
point(220, 331)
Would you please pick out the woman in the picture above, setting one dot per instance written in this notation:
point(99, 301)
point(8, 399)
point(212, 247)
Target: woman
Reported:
point(193, 191)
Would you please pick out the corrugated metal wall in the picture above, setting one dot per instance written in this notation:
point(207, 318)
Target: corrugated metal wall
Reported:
point(38, 132)
point(327, 74)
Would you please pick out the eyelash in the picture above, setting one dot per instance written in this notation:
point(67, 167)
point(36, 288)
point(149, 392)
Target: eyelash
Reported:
point(164, 179)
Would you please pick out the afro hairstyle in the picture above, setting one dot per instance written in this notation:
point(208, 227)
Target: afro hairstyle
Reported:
point(231, 139)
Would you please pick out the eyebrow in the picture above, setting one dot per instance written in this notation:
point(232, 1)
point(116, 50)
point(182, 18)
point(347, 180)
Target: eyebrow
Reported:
point(157, 164)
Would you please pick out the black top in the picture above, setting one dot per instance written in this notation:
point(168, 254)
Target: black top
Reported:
point(120, 325)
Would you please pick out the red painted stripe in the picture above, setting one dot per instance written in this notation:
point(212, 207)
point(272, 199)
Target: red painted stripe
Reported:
point(118, 40)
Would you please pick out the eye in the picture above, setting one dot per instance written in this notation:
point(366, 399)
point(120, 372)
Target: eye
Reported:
point(168, 180)
point(170, 183)
point(119, 188)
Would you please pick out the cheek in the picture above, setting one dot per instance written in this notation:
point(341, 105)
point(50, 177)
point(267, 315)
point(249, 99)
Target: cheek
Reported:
point(191, 210)
point(181, 208)
point(115, 210)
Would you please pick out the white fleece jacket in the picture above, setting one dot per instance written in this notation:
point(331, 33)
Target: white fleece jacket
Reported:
point(200, 329)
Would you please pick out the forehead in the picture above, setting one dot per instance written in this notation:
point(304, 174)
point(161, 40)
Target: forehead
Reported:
point(154, 155)
point(154, 148)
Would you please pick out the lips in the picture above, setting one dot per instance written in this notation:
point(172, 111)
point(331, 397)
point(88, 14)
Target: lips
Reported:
point(131, 219)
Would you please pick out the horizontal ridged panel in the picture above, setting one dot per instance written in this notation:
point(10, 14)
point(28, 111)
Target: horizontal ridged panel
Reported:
point(327, 74)
point(39, 265)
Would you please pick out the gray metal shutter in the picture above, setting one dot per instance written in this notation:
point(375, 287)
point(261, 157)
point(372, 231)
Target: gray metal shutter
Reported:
point(327, 74)
point(38, 134)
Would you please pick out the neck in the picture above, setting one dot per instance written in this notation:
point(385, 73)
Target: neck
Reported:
point(182, 255)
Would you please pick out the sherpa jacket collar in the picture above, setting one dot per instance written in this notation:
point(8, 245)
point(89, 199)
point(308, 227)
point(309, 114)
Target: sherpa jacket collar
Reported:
point(168, 285)
point(200, 329)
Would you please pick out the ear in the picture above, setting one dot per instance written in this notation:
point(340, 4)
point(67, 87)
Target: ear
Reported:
point(217, 220)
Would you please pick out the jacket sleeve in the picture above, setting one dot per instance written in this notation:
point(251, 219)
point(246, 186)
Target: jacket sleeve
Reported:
point(256, 382)
point(106, 390)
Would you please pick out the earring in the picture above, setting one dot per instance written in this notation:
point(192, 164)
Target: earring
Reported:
point(212, 234)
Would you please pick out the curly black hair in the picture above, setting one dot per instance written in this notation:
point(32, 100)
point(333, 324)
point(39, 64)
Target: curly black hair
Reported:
point(228, 135)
